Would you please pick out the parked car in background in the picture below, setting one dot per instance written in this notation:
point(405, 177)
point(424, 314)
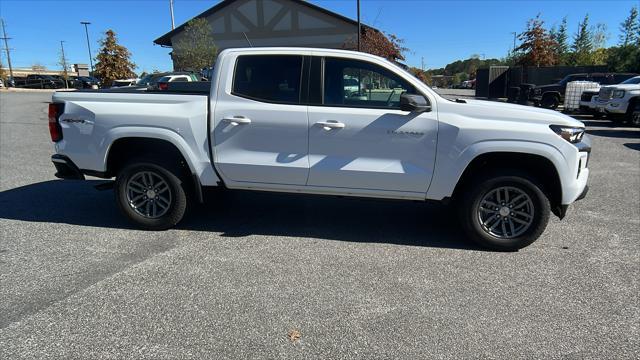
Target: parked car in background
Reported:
point(69, 82)
point(150, 79)
point(163, 82)
point(620, 102)
point(87, 82)
point(551, 95)
point(36, 81)
point(123, 83)
point(590, 101)
point(277, 119)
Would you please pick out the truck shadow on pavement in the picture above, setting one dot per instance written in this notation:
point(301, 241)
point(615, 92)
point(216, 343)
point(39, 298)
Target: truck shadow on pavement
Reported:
point(244, 213)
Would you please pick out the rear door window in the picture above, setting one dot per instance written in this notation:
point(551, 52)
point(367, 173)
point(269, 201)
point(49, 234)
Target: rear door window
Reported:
point(268, 78)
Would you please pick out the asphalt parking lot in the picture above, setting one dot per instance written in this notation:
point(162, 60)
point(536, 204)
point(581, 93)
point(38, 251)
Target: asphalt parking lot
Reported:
point(354, 278)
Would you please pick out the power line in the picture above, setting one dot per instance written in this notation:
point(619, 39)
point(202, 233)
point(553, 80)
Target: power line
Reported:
point(64, 65)
point(6, 47)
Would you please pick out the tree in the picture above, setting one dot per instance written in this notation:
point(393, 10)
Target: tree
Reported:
point(3, 74)
point(624, 58)
point(420, 75)
point(195, 49)
point(375, 42)
point(582, 43)
point(536, 45)
point(113, 60)
point(630, 28)
point(62, 61)
point(560, 37)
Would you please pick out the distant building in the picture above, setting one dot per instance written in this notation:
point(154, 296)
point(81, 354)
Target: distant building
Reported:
point(76, 70)
point(245, 23)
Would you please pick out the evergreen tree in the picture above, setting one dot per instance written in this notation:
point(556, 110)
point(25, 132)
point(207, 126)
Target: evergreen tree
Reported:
point(582, 43)
point(195, 49)
point(630, 28)
point(113, 60)
point(537, 47)
point(562, 47)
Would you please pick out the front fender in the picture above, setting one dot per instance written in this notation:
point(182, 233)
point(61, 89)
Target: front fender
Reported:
point(450, 167)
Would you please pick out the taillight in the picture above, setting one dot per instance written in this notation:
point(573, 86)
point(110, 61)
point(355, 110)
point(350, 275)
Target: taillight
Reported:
point(163, 86)
point(55, 110)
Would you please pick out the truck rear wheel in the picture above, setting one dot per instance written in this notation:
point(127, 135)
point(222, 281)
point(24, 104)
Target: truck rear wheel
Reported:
point(150, 196)
point(504, 211)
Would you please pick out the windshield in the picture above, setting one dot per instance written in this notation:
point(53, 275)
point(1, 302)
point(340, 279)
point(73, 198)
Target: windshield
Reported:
point(145, 80)
point(633, 80)
point(351, 82)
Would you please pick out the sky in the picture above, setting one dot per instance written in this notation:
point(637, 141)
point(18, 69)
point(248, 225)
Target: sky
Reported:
point(438, 32)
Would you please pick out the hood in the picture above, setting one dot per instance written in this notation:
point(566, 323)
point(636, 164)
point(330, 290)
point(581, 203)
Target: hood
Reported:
point(548, 86)
point(624, 87)
point(492, 110)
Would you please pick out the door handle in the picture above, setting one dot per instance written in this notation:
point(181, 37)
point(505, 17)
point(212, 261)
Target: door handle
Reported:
point(330, 124)
point(237, 120)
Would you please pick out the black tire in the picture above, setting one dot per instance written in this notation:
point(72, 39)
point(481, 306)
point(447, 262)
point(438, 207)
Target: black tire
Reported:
point(550, 102)
point(481, 186)
point(635, 118)
point(178, 195)
point(617, 119)
point(632, 112)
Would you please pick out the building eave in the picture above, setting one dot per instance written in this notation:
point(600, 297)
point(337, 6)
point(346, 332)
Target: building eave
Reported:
point(165, 40)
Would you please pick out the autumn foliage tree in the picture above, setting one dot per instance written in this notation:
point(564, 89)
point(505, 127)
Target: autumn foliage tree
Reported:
point(377, 43)
point(113, 60)
point(195, 49)
point(537, 46)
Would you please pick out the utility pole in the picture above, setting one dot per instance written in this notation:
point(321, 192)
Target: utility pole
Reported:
point(6, 48)
point(514, 40)
point(422, 63)
point(64, 66)
point(173, 24)
point(358, 1)
point(85, 23)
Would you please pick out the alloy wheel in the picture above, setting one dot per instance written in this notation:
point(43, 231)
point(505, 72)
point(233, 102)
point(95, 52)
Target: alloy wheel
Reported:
point(506, 212)
point(148, 194)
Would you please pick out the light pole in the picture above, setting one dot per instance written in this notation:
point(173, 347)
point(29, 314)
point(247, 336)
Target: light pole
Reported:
point(173, 24)
point(358, 1)
point(85, 23)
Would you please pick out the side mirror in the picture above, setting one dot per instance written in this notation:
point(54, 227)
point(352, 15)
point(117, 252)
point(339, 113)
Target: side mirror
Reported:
point(414, 103)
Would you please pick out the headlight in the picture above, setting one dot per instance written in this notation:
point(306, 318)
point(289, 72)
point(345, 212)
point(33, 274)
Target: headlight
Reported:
point(618, 94)
point(571, 134)
point(537, 91)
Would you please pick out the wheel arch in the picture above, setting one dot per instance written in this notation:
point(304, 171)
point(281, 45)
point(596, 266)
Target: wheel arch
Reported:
point(530, 163)
point(152, 147)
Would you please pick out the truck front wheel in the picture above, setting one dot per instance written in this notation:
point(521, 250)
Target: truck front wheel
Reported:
point(550, 101)
point(504, 211)
point(150, 196)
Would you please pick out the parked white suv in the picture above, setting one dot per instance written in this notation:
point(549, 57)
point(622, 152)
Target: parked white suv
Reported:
point(621, 102)
point(283, 119)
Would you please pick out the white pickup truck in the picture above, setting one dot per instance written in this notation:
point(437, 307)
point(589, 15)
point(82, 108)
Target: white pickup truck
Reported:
point(290, 120)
